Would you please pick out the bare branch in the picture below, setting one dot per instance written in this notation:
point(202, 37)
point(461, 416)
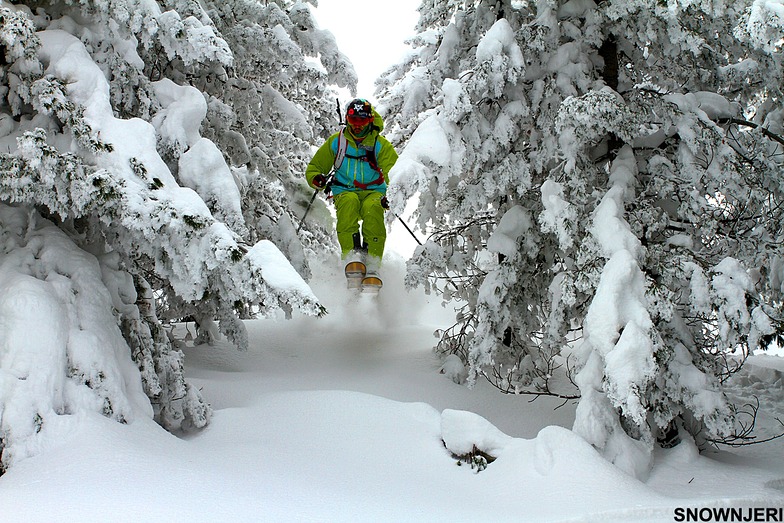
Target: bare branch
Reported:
point(746, 123)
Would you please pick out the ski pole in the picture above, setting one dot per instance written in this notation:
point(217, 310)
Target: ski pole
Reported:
point(327, 190)
point(448, 279)
point(302, 221)
point(407, 228)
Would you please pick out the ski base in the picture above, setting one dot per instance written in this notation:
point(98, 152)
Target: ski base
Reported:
point(371, 284)
point(355, 273)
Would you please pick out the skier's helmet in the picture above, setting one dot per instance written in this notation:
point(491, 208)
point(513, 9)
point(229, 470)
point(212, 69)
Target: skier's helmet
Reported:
point(359, 117)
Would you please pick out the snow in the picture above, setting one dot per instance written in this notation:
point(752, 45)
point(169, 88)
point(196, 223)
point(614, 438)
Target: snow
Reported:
point(618, 346)
point(500, 39)
point(456, 101)
point(202, 41)
point(463, 432)
point(513, 224)
point(764, 19)
point(75, 361)
point(135, 160)
point(558, 213)
point(610, 229)
point(454, 369)
point(713, 105)
point(330, 420)
point(182, 110)
point(68, 60)
point(277, 269)
point(432, 147)
point(429, 143)
point(499, 57)
point(203, 169)
point(618, 323)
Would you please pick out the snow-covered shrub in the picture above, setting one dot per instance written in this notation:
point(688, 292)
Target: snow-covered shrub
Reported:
point(148, 166)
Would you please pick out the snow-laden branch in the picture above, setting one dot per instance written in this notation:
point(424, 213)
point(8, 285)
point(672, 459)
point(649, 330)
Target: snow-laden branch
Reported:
point(191, 250)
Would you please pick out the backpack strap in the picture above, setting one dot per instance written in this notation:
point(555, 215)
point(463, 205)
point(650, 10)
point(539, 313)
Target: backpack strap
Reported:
point(370, 158)
point(341, 152)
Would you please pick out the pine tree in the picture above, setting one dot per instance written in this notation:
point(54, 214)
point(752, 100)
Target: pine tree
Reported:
point(604, 184)
point(151, 155)
point(271, 115)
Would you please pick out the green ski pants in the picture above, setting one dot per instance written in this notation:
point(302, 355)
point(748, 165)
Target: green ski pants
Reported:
point(351, 207)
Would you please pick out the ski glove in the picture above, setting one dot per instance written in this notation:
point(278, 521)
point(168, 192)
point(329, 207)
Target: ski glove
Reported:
point(384, 203)
point(319, 181)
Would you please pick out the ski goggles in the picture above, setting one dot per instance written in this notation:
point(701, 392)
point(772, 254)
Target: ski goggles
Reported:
point(357, 120)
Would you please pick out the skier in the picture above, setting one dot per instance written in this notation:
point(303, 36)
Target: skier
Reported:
point(361, 159)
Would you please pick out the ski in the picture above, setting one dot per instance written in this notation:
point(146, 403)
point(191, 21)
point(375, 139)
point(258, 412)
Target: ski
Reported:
point(355, 273)
point(371, 284)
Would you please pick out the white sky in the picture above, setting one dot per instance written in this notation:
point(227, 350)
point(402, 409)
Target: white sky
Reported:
point(374, 48)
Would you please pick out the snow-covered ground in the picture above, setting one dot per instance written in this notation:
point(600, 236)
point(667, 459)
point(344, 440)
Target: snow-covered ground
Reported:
point(344, 419)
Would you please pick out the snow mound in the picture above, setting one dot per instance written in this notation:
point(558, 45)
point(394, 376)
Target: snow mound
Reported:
point(310, 455)
point(454, 369)
point(465, 432)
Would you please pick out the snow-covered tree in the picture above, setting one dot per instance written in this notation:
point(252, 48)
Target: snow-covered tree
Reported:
point(149, 152)
point(268, 116)
point(605, 184)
